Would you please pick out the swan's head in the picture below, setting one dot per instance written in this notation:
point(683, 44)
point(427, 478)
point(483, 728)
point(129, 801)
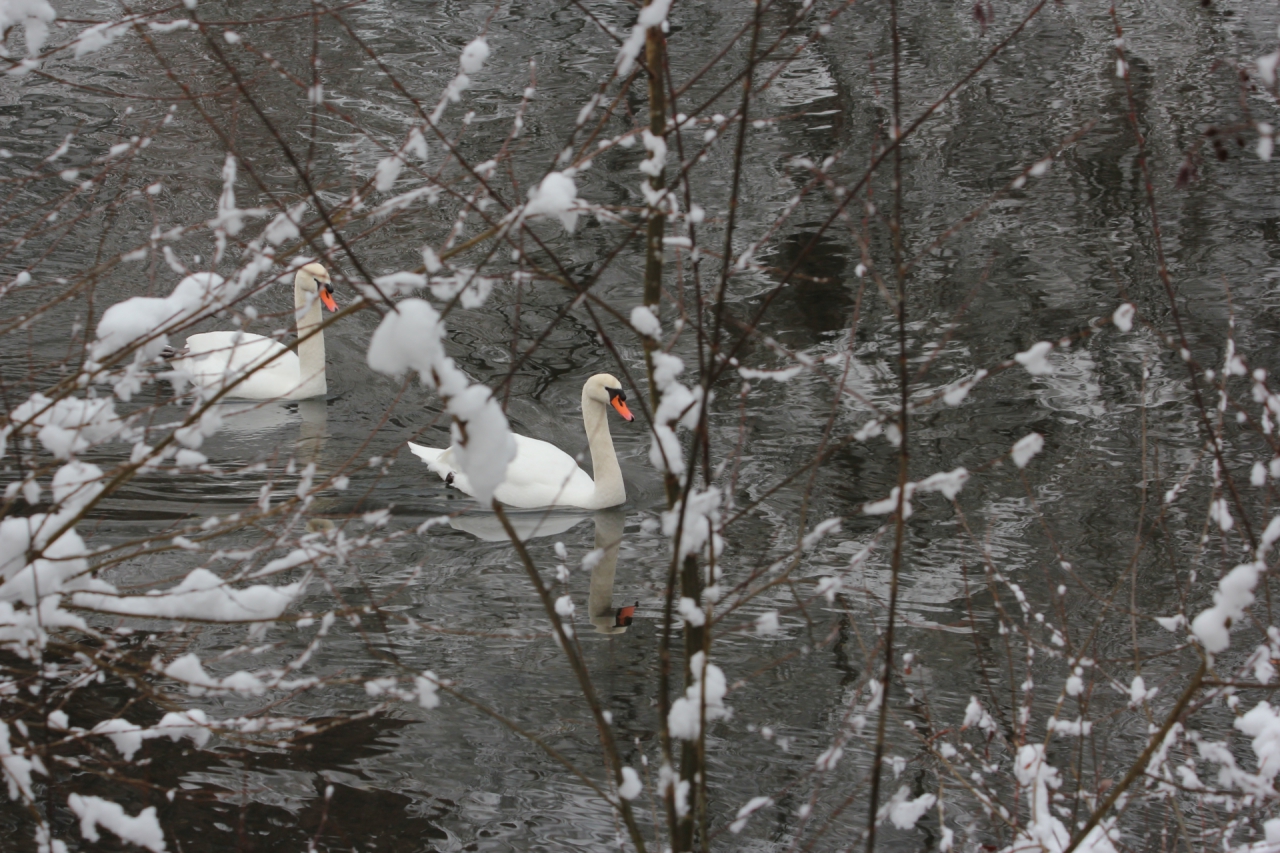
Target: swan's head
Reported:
point(605, 389)
point(314, 278)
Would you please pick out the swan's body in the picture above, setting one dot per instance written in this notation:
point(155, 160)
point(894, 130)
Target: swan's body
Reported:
point(274, 372)
point(542, 474)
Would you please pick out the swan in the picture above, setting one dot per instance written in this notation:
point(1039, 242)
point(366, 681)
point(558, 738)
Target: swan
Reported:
point(542, 474)
point(210, 359)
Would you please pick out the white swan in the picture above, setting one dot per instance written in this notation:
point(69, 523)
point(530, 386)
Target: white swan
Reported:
point(212, 358)
point(542, 474)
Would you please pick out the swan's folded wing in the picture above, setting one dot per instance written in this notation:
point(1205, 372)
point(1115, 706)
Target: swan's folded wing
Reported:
point(214, 357)
point(542, 474)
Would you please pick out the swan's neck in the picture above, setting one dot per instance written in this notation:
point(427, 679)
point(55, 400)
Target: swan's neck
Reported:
point(609, 526)
point(604, 462)
point(310, 349)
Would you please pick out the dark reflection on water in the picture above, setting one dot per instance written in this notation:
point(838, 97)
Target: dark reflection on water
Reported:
point(1040, 264)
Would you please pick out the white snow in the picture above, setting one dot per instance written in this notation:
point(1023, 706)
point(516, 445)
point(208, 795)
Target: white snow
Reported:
point(188, 670)
point(68, 425)
point(202, 595)
point(1123, 316)
point(644, 321)
point(684, 719)
point(1045, 833)
point(1262, 724)
point(17, 768)
point(904, 812)
point(784, 375)
point(1234, 595)
point(474, 56)
point(1267, 67)
point(650, 16)
point(691, 613)
point(1027, 448)
point(35, 17)
point(428, 690)
point(1034, 359)
point(949, 483)
point(955, 394)
point(143, 830)
point(556, 196)
point(744, 814)
point(701, 523)
point(657, 148)
point(631, 785)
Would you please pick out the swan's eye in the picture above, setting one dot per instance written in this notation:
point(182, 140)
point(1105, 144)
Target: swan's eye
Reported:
point(617, 394)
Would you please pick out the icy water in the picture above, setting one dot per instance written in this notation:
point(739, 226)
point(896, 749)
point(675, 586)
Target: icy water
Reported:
point(1041, 264)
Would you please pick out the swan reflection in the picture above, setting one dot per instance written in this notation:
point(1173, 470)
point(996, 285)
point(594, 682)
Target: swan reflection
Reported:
point(605, 618)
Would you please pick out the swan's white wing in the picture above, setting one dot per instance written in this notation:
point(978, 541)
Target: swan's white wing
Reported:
point(540, 475)
point(214, 357)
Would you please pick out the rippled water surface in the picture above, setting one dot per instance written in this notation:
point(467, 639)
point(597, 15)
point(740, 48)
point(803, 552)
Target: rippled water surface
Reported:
point(1042, 263)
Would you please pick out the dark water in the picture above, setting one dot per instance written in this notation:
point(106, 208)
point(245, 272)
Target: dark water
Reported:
point(1043, 262)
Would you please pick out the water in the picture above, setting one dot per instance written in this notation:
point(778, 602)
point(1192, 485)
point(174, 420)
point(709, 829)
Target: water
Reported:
point(1042, 263)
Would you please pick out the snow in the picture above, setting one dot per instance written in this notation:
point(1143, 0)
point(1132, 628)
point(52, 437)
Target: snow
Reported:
point(1267, 67)
point(784, 375)
point(68, 425)
point(631, 785)
point(428, 690)
point(413, 337)
point(1234, 595)
point(644, 321)
point(1266, 141)
point(556, 196)
point(976, 715)
point(1045, 833)
point(1123, 317)
point(744, 814)
point(684, 719)
point(904, 812)
point(680, 406)
point(1262, 724)
point(767, 624)
point(474, 56)
point(657, 148)
point(35, 17)
point(55, 570)
point(188, 670)
point(890, 504)
point(691, 613)
point(1072, 728)
point(1027, 448)
point(203, 596)
point(1034, 359)
point(98, 36)
point(701, 523)
point(949, 483)
point(1138, 692)
point(650, 16)
point(387, 172)
point(77, 483)
point(813, 537)
point(143, 830)
point(17, 768)
point(955, 394)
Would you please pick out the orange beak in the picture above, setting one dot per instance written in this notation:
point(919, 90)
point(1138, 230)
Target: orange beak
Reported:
point(622, 409)
point(625, 616)
point(326, 297)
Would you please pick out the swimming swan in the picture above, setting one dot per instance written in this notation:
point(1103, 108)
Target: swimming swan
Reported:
point(212, 358)
point(542, 474)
